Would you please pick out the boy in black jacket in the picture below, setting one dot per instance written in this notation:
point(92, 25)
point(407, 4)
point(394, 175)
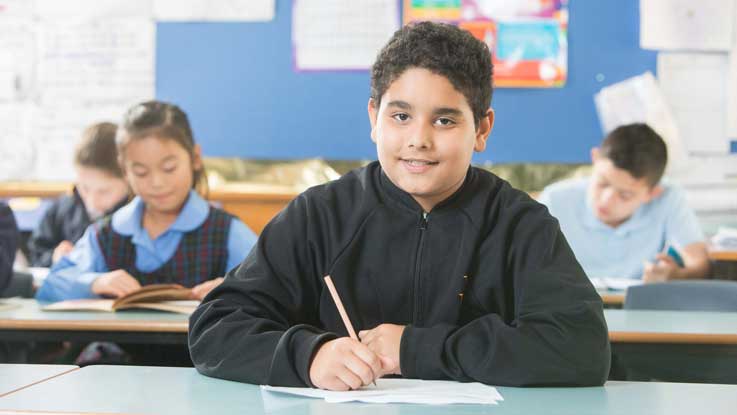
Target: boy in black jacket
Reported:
point(445, 270)
point(8, 244)
point(100, 190)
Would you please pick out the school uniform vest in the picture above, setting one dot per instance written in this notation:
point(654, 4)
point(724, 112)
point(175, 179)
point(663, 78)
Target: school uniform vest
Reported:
point(202, 253)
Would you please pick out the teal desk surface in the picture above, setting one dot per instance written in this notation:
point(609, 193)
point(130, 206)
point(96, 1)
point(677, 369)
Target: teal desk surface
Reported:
point(14, 377)
point(165, 390)
point(624, 325)
point(696, 327)
point(26, 314)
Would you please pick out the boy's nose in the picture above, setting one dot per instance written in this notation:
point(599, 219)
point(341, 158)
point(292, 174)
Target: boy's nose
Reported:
point(420, 138)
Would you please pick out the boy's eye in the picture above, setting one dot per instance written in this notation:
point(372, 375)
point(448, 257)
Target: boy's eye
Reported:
point(170, 169)
point(401, 117)
point(445, 122)
point(140, 173)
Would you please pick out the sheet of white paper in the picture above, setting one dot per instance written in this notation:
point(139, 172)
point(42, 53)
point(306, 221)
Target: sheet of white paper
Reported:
point(732, 83)
point(404, 391)
point(56, 128)
point(695, 87)
point(16, 8)
point(207, 10)
point(704, 25)
point(17, 46)
point(87, 9)
point(707, 199)
point(612, 283)
point(639, 99)
point(101, 60)
point(337, 34)
point(17, 152)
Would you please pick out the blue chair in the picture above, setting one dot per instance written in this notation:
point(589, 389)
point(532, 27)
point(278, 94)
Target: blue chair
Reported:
point(691, 295)
point(713, 364)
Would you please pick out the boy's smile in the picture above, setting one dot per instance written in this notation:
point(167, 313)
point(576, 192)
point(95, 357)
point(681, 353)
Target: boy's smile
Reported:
point(425, 135)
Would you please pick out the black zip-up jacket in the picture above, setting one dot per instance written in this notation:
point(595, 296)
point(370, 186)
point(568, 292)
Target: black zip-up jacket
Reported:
point(8, 244)
point(65, 220)
point(528, 314)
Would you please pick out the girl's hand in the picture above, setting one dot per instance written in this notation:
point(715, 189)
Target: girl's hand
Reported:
point(115, 284)
point(200, 291)
point(62, 249)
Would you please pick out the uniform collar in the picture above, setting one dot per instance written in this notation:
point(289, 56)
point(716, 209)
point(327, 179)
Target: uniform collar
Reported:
point(128, 220)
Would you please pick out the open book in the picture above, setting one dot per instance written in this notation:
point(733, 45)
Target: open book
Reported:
point(164, 297)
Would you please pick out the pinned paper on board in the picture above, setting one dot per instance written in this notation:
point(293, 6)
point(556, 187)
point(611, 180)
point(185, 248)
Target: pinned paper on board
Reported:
point(341, 35)
point(527, 38)
point(640, 99)
point(87, 10)
point(17, 47)
point(732, 85)
point(695, 88)
point(703, 25)
point(207, 10)
point(102, 60)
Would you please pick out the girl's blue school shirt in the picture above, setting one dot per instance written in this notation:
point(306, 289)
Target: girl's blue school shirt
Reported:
point(72, 276)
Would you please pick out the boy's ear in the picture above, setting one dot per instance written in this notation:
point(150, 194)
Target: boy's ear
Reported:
point(655, 192)
point(197, 157)
point(486, 123)
point(595, 154)
point(373, 112)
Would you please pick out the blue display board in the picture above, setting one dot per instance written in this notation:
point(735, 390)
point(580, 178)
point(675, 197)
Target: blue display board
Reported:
point(238, 84)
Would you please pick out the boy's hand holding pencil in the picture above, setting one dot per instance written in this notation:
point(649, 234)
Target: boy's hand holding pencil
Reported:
point(346, 363)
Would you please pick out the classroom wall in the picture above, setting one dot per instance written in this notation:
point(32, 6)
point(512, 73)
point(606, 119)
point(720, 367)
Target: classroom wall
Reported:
point(238, 84)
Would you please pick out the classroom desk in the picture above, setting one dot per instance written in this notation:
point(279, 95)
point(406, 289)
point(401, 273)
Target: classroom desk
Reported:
point(673, 327)
point(14, 377)
point(26, 321)
point(160, 390)
point(611, 298)
point(255, 204)
point(684, 345)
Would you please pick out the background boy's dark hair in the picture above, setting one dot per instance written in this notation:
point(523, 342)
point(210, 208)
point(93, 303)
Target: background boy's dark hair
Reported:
point(97, 149)
point(164, 120)
point(442, 49)
point(639, 150)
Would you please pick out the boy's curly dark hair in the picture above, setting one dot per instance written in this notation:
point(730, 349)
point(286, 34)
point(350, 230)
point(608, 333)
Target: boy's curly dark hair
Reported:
point(442, 49)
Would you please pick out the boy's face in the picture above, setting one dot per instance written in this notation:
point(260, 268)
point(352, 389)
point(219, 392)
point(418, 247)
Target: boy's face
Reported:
point(614, 194)
point(99, 190)
point(160, 172)
point(425, 135)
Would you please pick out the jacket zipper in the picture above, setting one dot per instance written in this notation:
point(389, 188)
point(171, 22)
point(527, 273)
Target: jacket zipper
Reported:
point(417, 297)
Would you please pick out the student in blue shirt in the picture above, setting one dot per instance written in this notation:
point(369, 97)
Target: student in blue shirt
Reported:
point(623, 220)
point(168, 233)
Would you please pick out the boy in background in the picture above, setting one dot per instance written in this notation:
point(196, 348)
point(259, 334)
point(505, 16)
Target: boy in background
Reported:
point(623, 220)
point(99, 190)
